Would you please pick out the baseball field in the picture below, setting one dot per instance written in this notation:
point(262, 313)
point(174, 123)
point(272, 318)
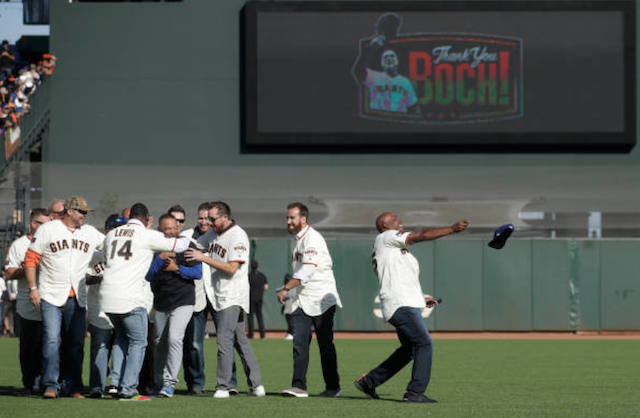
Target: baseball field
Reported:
point(489, 378)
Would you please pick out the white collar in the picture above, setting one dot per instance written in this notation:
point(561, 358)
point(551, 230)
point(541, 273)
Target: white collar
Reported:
point(136, 222)
point(303, 231)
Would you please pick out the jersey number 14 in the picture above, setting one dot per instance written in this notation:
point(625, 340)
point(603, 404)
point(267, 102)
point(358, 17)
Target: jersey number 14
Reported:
point(124, 251)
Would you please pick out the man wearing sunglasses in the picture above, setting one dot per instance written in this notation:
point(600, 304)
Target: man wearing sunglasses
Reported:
point(180, 216)
point(63, 249)
point(228, 254)
point(56, 210)
point(29, 317)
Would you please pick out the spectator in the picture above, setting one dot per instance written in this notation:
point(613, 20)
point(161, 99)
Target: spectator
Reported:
point(258, 284)
point(6, 60)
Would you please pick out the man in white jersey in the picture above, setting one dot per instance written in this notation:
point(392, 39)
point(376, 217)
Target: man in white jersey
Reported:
point(228, 255)
point(28, 315)
point(402, 301)
point(100, 326)
point(62, 249)
point(124, 292)
point(314, 303)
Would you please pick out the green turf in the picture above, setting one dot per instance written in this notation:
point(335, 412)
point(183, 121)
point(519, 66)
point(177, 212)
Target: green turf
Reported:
point(483, 378)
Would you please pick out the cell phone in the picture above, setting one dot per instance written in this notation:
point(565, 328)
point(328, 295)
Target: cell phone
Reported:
point(431, 305)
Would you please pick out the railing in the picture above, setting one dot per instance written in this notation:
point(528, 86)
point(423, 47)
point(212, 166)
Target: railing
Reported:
point(32, 127)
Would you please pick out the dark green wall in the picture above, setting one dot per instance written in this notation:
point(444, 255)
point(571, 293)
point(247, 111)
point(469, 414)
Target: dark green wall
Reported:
point(140, 76)
point(530, 285)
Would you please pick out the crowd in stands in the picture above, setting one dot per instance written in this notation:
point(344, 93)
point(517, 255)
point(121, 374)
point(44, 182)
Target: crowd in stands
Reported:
point(18, 85)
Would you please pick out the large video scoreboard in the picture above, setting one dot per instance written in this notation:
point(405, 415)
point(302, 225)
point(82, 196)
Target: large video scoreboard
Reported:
point(463, 76)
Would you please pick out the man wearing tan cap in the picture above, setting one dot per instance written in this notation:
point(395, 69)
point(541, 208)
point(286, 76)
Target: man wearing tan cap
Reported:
point(62, 249)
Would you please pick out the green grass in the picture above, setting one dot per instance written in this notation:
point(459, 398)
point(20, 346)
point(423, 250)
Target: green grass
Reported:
point(471, 378)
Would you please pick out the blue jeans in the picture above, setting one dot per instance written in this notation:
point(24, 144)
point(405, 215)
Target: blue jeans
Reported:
point(130, 336)
point(101, 341)
point(63, 326)
point(193, 350)
point(416, 344)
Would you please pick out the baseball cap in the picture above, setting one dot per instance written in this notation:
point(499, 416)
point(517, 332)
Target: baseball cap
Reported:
point(77, 203)
point(500, 236)
point(114, 221)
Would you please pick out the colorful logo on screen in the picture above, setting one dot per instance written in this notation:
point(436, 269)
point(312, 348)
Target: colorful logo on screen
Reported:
point(438, 78)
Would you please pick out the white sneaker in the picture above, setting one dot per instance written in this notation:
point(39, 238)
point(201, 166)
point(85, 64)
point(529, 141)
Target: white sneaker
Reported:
point(296, 392)
point(288, 337)
point(259, 391)
point(221, 393)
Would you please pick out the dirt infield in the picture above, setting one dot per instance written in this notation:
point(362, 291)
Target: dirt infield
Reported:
point(583, 335)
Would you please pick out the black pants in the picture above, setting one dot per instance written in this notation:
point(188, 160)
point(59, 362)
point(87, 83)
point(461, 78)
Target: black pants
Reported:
point(323, 325)
point(256, 309)
point(289, 319)
point(30, 351)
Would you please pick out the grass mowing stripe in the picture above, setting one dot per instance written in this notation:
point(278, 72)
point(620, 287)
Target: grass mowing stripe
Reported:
point(471, 378)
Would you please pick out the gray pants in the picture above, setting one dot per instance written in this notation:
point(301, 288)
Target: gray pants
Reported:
point(169, 333)
point(231, 334)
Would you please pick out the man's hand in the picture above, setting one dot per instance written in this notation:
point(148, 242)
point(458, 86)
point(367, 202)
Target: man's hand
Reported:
point(194, 255)
point(165, 256)
point(34, 298)
point(431, 302)
point(282, 294)
point(460, 226)
point(170, 265)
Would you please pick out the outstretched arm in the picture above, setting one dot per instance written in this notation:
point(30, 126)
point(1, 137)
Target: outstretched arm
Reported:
point(429, 234)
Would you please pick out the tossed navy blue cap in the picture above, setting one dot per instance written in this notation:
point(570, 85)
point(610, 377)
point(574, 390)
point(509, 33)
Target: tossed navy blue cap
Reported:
point(500, 236)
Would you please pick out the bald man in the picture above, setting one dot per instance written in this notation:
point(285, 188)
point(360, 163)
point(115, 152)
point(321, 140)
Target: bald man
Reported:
point(402, 301)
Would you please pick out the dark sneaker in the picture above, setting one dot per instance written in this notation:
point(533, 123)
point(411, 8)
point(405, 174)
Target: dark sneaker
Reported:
point(364, 385)
point(113, 391)
point(196, 390)
point(416, 398)
point(331, 393)
point(95, 393)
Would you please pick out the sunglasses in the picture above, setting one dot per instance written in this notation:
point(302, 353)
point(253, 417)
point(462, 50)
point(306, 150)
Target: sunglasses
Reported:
point(59, 213)
point(212, 219)
point(82, 212)
point(38, 222)
point(180, 221)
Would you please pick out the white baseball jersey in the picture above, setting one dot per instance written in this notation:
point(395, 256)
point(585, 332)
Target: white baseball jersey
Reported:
point(96, 316)
point(128, 251)
point(15, 259)
point(205, 243)
point(319, 292)
point(398, 272)
point(201, 297)
point(231, 245)
point(66, 253)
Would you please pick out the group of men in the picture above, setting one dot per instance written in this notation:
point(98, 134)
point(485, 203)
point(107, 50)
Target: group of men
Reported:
point(66, 267)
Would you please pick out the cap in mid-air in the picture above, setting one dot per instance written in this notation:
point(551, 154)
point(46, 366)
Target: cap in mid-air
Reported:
point(500, 236)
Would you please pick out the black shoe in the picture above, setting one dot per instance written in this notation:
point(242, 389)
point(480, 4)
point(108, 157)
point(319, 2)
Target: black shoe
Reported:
point(331, 393)
point(417, 398)
point(196, 391)
point(363, 385)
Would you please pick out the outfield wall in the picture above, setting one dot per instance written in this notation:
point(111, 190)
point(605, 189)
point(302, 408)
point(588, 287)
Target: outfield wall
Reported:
point(530, 285)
